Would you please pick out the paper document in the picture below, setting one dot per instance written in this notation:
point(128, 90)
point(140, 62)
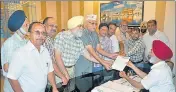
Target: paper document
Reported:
point(120, 85)
point(120, 63)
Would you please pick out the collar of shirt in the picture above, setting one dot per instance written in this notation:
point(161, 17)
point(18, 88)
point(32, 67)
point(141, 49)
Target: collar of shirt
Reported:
point(101, 37)
point(133, 41)
point(31, 47)
point(70, 34)
point(156, 33)
point(158, 64)
point(89, 32)
point(18, 37)
point(50, 39)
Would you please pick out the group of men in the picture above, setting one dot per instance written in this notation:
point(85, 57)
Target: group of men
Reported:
point(28, 64)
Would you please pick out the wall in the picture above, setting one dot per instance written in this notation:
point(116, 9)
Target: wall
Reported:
point(69, 9)
point(169, 28)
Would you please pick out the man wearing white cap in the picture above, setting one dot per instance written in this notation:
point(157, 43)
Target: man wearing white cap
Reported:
point(68, 47)
point(92, 43)
point(19, 24)
point(159, 78)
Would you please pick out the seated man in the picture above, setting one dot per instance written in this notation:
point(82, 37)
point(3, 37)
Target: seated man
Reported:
point(159, 78)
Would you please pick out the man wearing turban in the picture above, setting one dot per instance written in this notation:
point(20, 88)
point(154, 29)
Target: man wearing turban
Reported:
point(17, 23)
point(159, 78)
point(68, 47)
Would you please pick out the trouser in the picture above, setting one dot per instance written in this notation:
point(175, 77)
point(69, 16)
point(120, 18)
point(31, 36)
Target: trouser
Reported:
point(71, 84)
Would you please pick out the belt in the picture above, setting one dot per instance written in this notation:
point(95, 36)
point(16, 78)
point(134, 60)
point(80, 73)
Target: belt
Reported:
point(137, 62)
point(69, 66)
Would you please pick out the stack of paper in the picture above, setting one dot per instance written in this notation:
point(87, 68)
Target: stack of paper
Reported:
point(120, 63)
point(120, 85)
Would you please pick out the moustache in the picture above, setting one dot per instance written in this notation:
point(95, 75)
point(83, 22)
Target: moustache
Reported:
point(53, 30)
point(39, 39)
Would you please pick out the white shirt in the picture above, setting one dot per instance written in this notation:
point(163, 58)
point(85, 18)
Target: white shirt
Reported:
point(31, 67)
point(159, 78)
point(148, 41)
point(8, 47)
point(115, 44)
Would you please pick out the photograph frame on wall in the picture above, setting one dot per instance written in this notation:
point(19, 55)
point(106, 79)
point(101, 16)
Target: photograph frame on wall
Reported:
point(131, 11)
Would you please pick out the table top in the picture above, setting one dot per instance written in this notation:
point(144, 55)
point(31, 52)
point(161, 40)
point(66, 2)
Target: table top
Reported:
point(87, 82)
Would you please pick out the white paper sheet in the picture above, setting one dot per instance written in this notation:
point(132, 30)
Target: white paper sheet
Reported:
point(120, 85)
point(120, 63)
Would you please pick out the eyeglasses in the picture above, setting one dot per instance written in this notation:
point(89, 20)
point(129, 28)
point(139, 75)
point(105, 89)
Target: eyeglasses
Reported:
point(53, 26)
point(40, 33)
point(93, 23)
point(124, 25)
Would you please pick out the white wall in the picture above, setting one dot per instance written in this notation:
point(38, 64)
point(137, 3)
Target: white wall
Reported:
point(169, 27)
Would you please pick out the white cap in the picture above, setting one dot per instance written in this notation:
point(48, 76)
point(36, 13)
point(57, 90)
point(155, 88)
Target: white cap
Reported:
point(91, 17)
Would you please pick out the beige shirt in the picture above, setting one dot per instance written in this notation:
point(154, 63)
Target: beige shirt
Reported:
point(121, 37)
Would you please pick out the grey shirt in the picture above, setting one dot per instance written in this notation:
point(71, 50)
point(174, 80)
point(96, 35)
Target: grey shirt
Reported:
point(90, 38)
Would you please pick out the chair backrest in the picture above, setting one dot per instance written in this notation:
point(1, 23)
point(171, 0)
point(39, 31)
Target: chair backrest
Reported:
point(170, 64)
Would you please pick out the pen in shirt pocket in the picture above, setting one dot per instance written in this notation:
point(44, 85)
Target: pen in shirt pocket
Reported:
point(46, 64)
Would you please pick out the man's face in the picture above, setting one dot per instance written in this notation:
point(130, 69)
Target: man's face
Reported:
point(38, 34)
point(129, 31)
point(51, 27)
point(77, 31)
point(135, 35)
point(91, 25)
point(103, 31)
point(123, 27)
point(112, 29)
point(151, 27)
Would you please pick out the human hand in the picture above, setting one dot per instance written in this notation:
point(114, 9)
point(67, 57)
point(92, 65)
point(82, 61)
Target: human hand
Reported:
point(113, 56)
point(122, 74)
point(130, 64)
point(55, 90)
point(64, 80)
point(107, 64)
point(67, 76)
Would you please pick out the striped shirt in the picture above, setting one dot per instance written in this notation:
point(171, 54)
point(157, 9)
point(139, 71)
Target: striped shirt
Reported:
point(49, 44)
point(106, 45)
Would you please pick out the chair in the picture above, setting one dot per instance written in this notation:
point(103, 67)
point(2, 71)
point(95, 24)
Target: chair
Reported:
point(171, 65)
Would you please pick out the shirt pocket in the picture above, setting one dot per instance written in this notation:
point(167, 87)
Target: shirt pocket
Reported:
point(46, 68)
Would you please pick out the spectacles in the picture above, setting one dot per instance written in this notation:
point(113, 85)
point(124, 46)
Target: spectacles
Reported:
point(53, 26)
point(124, 25)
point(93, 23)
point(40, 33)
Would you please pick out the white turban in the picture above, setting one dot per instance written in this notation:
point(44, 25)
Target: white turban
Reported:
point(91, 17)
point(75, 21)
